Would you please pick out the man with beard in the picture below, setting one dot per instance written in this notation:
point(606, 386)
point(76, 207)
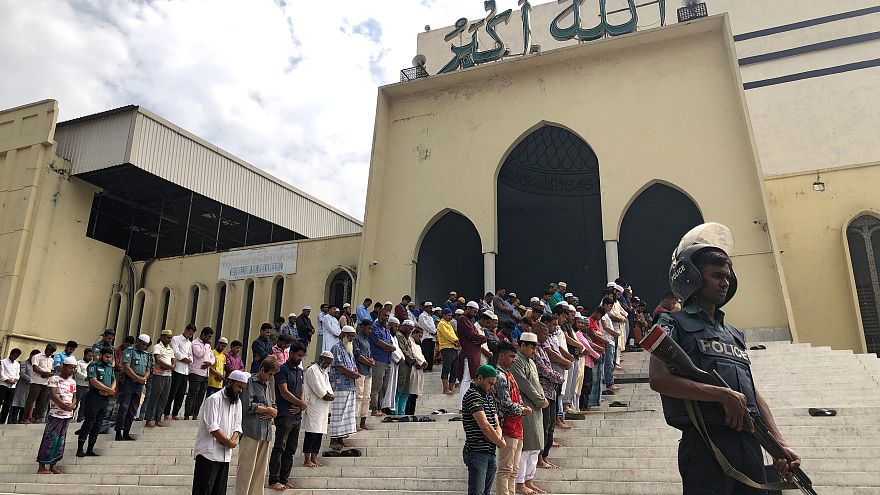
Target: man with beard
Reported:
point(62, 396)
point(318, 395)
point(525, 374)
point(343, 374)
point(288, 396)
point(219, 426)
point(102, 385)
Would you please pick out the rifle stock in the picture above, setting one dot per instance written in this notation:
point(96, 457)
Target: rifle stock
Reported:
point(661, 345)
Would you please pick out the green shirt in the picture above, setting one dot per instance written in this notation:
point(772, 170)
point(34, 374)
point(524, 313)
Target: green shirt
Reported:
point(138, 360)
point(103, 372)
point(671, 326)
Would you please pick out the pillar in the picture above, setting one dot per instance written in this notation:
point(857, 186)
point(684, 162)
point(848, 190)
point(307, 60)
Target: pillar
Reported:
point(488, 272)
point(612, 263)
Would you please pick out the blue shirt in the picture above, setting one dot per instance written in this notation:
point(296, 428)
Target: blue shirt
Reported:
point(293, 377)
point(261, 348)
point(363, 314)
point(341, 357)
point(516, 333)
point(58, 358)
point(380, 334)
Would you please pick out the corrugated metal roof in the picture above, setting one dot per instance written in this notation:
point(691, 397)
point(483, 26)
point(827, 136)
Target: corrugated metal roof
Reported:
point(137, 136)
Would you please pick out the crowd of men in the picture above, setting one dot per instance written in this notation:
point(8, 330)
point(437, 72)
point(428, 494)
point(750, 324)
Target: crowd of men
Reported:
point(518, 369)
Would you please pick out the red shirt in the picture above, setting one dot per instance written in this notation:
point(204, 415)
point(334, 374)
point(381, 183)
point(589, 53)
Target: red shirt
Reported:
point(512, 426)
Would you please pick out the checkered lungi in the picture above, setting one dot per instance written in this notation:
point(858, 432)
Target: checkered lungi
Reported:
point(343, 414)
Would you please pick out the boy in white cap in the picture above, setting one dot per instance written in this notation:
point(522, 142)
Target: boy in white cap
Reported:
point(317, 394)
point(62, 402)
point(219, 426)
point(135, 372)
point(216, 372)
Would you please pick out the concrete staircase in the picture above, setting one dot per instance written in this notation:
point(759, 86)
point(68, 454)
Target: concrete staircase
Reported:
point(627, 451)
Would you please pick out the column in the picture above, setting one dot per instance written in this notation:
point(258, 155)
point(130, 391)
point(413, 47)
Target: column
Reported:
point(612, 264)
point(488, 272)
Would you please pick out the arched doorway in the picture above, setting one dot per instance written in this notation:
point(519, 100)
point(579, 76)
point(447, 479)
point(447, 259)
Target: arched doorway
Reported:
point(651, 229)
point(449, 258)
point(550, 216)
point(340, 289)
point(863, 237)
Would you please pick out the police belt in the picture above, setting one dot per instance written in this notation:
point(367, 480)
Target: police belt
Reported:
point(697, 419)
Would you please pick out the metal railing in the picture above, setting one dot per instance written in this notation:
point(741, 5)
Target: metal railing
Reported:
point(413, 73)
point(689, 13)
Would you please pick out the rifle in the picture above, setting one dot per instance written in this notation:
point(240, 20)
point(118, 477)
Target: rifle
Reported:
point(659, 344)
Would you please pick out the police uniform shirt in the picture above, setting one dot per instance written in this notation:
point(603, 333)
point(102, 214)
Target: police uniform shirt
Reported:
point(138, 360)
point(103, 372)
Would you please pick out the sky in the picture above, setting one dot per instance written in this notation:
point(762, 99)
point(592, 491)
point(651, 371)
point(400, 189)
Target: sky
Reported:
point(289, 86)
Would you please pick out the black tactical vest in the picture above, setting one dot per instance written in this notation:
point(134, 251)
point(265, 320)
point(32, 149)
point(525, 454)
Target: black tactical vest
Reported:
point(710, 350)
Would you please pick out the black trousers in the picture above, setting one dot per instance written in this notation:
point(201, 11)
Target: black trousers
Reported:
point(175, 397)
point(550, 423)
point(6, 396)
point(210, 477)
point(94, 409)
point(586, 388)
point(198, 387)
point(311, 443)
point(411, 404)
point(428, 351)
point(702, 475)
point(129, 401)
point(281, 459)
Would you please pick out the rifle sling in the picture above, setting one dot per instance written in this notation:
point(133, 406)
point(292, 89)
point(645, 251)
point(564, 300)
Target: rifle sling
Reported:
point(697, 419)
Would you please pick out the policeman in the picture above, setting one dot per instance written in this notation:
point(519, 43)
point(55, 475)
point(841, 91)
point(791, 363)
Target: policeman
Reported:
point(702, 276)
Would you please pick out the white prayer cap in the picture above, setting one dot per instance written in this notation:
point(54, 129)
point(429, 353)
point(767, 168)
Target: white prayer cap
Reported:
point(428, 303)
point(617, 287)
point(144, 338)
point(472, 304)
point(459, 311)
point(348, 329)
point(494, 316)
point(577, 314)
point(512, 294)
point(528, 337)
point(408, 322)
point(306, 308)
point(561, 284)
point(388, 303)
point(568, 294)
point(437, 308)
point(346, 305)
point(293, 315)
point(534, 299)
point(223, 340)
point(69, 360)
point(239, 376)
point(393, 319)
point(327, 354)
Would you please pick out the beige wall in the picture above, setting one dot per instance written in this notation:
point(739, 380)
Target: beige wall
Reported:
point(55, 282)
point(811, 228)
point(633, 100)
point(317, 261)
point(841, 106)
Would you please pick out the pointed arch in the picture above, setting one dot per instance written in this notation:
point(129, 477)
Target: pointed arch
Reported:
point(644, 187)
point(247, 313)
point(652, 225)
point(276, 297)
point(339, 287)
point(114, 311)
point(430, 223)
point(448, 257)
point(221, 290)
point(549, 177)
point(196, 302)
point(862, 248)
point(143, 299)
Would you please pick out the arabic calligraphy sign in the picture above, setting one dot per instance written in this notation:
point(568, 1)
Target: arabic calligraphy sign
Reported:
point(470, 54)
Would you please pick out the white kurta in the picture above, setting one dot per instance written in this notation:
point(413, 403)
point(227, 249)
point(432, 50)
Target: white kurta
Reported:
point(417, 376)
point(389, 399)
point(316, 384)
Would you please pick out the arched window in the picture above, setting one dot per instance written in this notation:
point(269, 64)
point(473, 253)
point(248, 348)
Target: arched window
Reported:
point(139, 303)
point(247, 310)
point(449, 258)
point(863, 237)
point(113, 313)
point(193, 310)
point(340, 289)
point(220, 304)
point(166, 305)
point(277, 298)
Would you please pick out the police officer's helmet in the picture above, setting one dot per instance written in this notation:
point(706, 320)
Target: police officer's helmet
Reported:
point(685, 278)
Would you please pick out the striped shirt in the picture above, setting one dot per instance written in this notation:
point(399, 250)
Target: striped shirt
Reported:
point(474, 401)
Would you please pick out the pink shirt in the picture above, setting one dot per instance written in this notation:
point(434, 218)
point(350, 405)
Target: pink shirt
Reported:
point(281, 355)
point(586, 343)
point(202, 353)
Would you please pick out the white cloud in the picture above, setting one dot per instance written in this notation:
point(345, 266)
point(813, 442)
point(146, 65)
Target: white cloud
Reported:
point(289, 86)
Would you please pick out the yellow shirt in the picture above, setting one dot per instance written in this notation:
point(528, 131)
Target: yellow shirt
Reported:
point(446, 335)
point(219, 365)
